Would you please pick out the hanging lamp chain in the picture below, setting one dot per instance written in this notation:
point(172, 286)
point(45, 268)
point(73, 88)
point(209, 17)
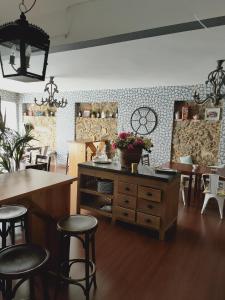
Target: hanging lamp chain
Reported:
point(23, 8)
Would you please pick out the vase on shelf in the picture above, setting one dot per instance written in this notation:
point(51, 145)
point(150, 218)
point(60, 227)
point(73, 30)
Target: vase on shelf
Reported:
point(127, 157)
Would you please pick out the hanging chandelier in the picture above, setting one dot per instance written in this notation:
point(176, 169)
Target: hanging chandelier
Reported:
point(51, 88)
point(216, 79)
point(24, 49)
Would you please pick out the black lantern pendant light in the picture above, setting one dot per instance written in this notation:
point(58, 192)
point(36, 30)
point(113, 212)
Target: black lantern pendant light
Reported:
point(51, 88)
point(216, 79)
point(23, 49)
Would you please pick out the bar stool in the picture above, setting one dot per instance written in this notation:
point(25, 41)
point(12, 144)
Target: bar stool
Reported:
point(22, 262)
point(9, 216)
point(83, 228)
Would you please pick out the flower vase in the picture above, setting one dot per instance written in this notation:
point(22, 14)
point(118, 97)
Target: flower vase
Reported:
point(127, 157)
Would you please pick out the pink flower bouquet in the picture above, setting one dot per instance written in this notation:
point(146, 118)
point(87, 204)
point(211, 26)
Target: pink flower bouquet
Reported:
point(129, 141)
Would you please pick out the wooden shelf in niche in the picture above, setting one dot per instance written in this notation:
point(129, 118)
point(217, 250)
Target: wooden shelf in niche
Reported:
point(90, 127)
point(92, 199)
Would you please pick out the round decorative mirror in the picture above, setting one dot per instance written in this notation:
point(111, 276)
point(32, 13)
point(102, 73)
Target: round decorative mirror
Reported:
point(143, 120)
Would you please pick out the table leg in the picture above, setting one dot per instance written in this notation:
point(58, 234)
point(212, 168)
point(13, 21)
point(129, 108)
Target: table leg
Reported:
point(199, 192)
point(189, 190)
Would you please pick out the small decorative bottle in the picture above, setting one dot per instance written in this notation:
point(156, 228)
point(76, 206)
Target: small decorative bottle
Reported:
point(102, 114)
point(80, 114)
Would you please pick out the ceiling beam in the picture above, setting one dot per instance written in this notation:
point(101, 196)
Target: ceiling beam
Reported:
point(142, 34)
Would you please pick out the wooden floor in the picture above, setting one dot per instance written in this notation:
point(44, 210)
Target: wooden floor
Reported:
point(133, 265)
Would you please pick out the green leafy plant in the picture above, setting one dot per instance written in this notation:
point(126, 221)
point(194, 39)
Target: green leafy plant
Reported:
point(12, 146)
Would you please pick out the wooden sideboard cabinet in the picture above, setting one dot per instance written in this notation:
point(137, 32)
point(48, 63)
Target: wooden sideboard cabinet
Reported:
point(147, 200)
point(79, 152)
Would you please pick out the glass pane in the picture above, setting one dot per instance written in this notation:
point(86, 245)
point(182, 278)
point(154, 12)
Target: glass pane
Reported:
point(11, 114)
point(35, 59)
point(10, 54)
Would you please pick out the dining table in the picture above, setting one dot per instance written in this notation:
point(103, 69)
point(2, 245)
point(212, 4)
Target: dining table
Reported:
point(194, 171)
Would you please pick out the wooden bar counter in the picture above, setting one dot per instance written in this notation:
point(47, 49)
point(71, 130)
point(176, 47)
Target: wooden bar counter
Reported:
point(47, 197)
point(146, 198)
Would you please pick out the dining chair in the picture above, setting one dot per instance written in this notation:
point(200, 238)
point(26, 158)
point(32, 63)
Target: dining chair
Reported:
point(214, 187)
point(145, 161)
point(40, 166)
point(184, 160)
point(43, 159)
point(32, 152)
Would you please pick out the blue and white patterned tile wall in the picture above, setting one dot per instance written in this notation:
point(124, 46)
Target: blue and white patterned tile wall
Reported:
point(161, 99)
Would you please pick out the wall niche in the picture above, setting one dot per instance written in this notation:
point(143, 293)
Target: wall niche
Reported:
point(96, 121)
point(195, 134)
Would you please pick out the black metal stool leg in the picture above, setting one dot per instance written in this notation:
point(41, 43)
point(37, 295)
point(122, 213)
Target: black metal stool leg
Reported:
point(87, 279)
point(44, 287)
point(93, 258)
point(8, 290)
point(4, 225)
point(26, 231)
point(12, 232)
point(32, 290)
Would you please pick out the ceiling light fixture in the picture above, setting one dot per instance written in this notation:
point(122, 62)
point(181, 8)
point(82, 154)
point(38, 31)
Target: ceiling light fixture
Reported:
point(216, 79)
point(19, 42)
point(51, 88)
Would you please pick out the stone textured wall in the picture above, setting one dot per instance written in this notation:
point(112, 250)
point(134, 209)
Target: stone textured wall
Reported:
point(96, 129)
point(161, 99)
point(199, 139)
point(44, 131)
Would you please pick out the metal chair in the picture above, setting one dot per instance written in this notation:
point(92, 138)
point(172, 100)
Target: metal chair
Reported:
point(40, 166)
point(214, 187)
point(145, 160)
point(43, 159)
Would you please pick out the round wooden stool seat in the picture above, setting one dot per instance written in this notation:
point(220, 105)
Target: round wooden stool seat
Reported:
point(83, 228)
point(20, 260)
point(8, 212)
point(77, 224)
point(10, 216)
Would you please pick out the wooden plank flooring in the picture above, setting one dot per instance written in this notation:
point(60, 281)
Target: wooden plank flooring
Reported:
point(133, 265)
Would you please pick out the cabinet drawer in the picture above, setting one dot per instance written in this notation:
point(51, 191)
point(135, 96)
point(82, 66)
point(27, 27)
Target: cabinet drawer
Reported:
point(127, 188)
point(149, 193)
point(149, 207)
point(124, 213)
point(126, 201)
point(148, 220)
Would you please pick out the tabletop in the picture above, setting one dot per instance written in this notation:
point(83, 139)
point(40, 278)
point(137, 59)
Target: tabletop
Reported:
point(187, 169)
point(26, 181)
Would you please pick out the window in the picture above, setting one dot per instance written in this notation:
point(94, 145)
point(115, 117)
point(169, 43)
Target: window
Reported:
point(11, 114)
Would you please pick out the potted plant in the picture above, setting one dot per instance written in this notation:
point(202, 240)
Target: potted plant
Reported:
point(12, 147)
point(131, 147)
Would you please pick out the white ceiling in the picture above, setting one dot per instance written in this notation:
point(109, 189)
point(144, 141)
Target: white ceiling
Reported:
point(176, 59)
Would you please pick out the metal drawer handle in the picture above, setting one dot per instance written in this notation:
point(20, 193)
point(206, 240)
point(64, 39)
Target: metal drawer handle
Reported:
point(148, 221)
point(149, 194)
point(150, 206)
point(127, 189)
point(125, 214)
point(126, 201)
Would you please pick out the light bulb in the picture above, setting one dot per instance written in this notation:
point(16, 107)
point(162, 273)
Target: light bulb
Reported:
point(12, 55)
point(28, 55)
